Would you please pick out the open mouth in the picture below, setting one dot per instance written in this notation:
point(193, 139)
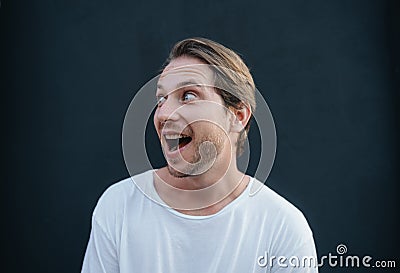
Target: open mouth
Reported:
point(177, 141)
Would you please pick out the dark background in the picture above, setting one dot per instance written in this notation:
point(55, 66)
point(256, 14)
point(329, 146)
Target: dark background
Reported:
point(69, 69)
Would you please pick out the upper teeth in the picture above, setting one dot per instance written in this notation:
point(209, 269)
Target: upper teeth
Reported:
point(173, 136)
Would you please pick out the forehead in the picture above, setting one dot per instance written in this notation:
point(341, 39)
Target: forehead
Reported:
point(184, 71)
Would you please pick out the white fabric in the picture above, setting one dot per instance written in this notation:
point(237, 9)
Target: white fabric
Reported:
point(132, 233)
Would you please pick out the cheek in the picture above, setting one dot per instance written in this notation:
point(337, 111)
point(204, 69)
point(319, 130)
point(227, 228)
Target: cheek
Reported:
point(210, 130)
point(156, 122)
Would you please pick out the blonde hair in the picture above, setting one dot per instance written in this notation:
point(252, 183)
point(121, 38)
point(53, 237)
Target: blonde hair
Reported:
point(233, 78)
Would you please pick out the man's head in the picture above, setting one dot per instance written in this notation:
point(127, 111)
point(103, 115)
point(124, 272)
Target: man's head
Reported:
point(198, 71)
point(234, 82)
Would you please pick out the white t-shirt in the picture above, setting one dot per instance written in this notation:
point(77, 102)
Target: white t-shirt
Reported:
point(132, 233)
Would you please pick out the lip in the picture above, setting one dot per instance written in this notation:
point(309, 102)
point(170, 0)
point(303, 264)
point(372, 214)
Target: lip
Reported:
point(170, 132)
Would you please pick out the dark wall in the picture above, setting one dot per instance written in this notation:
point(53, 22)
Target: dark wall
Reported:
point(69, 69)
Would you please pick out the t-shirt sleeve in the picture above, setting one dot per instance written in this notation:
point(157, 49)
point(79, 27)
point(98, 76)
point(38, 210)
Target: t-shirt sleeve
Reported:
point(100, 256)
point(301, 260)
point(294, 249)
point(102, 252)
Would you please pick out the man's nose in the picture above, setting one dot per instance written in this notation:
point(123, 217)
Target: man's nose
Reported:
point(168, 110)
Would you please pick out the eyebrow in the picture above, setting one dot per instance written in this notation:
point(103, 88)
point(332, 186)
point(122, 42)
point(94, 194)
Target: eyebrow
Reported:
point(183, 84)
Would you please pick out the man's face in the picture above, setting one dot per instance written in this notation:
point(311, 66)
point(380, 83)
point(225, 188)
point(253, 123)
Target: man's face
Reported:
point(191, 120)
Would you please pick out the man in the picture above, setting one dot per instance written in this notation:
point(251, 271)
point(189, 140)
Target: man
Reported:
point(197, 214)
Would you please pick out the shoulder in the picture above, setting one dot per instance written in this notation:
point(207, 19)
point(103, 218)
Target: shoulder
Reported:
point(113, 201)
point(283, 218)
point(274, 202)
point(284, 226)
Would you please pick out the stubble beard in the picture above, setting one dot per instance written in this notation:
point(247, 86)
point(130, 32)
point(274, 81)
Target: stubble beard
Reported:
point(200, 164)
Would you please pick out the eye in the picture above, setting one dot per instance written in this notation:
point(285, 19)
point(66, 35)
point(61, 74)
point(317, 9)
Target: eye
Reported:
point(160, 100)
point(188, 96)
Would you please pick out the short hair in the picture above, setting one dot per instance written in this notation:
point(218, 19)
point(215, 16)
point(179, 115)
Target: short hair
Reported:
point(232, 74)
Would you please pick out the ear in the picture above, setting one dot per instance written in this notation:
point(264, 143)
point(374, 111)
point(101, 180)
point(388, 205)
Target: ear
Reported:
point(240, 117)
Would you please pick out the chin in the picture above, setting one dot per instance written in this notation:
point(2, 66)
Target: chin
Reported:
point(176, 173)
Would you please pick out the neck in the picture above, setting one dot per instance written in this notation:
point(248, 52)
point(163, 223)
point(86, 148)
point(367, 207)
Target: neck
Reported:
point(202, 194)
